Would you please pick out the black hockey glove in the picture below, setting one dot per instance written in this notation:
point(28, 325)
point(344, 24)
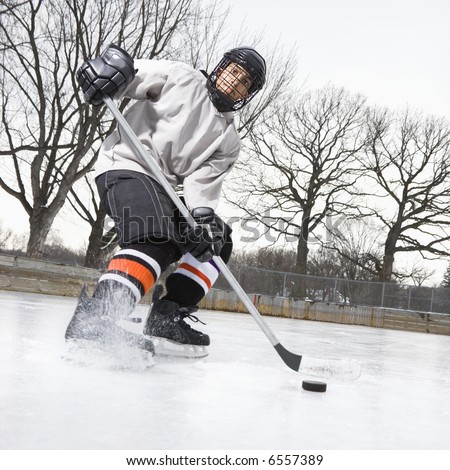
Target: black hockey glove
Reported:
point(208, 237)
point(107, 75)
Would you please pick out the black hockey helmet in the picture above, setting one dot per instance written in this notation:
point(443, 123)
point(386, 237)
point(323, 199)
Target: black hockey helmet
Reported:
point(254, 65)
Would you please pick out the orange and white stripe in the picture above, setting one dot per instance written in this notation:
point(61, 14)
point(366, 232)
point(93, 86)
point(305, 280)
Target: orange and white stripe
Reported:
point(204, 274)
point(133, 269)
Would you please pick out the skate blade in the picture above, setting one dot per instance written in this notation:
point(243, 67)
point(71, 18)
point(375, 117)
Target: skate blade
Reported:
point(165, 347)
point(107, 356)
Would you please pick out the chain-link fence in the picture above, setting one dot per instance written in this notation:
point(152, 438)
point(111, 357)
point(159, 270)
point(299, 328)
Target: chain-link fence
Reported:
point(340, 291)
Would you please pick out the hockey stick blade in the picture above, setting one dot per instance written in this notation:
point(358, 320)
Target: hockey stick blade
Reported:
point(340, 369)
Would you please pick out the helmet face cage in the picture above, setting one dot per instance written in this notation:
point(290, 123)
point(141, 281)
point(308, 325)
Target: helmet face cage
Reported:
point(255, 67)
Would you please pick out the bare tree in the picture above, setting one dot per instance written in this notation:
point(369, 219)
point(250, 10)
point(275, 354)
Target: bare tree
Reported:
point(356, 247)
point(6, 235)
point(84, 202)
point(49, 136)
point(11, 242)
point(204, 35)
point(407, 163)
point(417, 273)
point(299, 165)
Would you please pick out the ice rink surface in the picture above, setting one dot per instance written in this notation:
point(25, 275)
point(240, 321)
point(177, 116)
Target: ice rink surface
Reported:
point(242, 396)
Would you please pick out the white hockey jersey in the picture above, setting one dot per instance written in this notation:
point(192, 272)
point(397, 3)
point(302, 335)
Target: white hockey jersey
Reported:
point(197, 145)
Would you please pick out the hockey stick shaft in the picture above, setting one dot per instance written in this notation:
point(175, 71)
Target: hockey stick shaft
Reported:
point(341, 369)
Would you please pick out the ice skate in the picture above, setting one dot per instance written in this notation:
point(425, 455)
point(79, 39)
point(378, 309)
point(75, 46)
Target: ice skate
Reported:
point(169, 332)
point(91, 323)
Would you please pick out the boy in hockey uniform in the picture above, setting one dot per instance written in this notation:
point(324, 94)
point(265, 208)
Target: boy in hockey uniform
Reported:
point(188, 116)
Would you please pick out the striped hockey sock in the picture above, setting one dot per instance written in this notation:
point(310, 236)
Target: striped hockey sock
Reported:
point(191, 281)
point(132, 269)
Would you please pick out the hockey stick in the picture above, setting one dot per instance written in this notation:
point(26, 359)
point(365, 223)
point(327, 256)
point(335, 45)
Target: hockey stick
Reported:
point(342, 369)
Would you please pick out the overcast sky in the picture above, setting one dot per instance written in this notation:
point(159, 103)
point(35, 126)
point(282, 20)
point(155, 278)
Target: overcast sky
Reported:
point(395, 52)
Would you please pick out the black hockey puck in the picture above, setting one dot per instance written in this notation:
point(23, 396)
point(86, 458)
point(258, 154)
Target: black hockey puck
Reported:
point(313, 386)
